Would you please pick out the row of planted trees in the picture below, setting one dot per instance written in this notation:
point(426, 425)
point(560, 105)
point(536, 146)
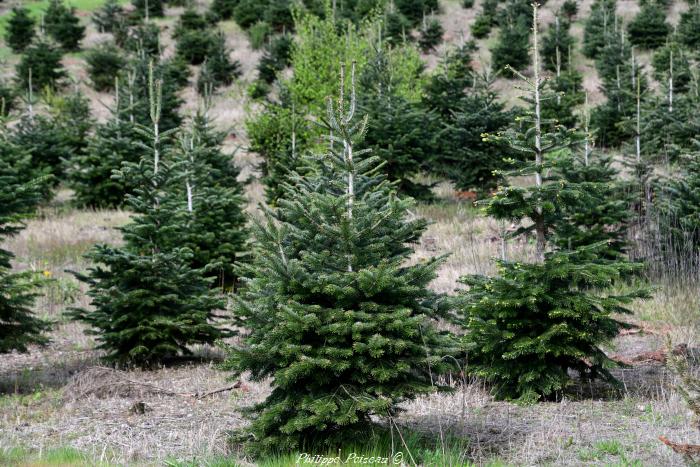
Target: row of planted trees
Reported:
point(328, 307)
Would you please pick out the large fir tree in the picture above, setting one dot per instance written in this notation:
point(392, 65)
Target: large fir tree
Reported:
point(63, 25)
point(535, 321)
point(332, 312)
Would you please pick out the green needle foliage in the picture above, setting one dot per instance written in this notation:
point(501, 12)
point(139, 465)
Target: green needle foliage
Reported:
point(215, 219)
point(689, 27)
point(533, 322)
point(148, 303)
point(649, 28)
point(40, 67)
point(332, 312)
point(19, 31)
point(19, 327)
point(431, 35)
point(108, 17)
point(63, 25)
point(149, 8)
point(399, 132)
point(104, 64)
point(599, 23)
point(112, 143)
point(557, 45)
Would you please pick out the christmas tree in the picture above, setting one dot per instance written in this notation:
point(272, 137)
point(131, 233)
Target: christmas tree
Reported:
point(63, 25)
point(40, 66)
point(148, 303)
point(19, 327)
point(689, 27)
point(104, 64)
point(649, 28)
point(597, 27)
point(149, 8)
point(19, 31)
point(399, 132)
point(465, 157)
point(112, 143)
point(430, 35)
point(218, 69)
point(332, 312)
point(535, 321)
point(557, 45)
point(108, 17)
point(215, 222)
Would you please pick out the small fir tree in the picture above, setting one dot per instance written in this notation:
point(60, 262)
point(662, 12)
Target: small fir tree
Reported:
point(689, 27)
point(347, 331)
point(104, 64)
point(149, 8)
point(569, 9)
point(597, 27)
point(108, 17)
point(672, 67)
point(40, 67)
point(276, 57)
point(399, 131)
point(19, 327)
point(649, 28)
point(63, 25)
point(149, 304)
point(112, 143)
point(511, 50)
point(215, 223)
point(223, 9)
point(8, 99)
point(218, 69)
point(19, 31)
point(534, 322)
point(557, 45)
point(430, 35)
point(466, 158)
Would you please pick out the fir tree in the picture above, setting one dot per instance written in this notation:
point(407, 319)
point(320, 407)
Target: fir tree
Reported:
point(19, 31)
point(689, 27)
point(223, 9)
point(104, 64)
point(399, 131)
point(431, 35)
point(218, 69)
point(597, 27)
point(333, 314)
point(557, 45)
point(149, 304)
point(149, 8)
point(8, 98)
point(63, 25)
point(649, 28)
point(465, 157)
point(108, 17)
point(190, 20)
point(679, 206)
point(19, 327)
point(134, 84)
point(534, 322)
point(276, 57)
point(607, 218)
point(40, 67)
point(215, 223)
point(112, 143)
point(569, 9)
point(672, 66)
point(448, 84)
point(415, 10)
point(511, 50)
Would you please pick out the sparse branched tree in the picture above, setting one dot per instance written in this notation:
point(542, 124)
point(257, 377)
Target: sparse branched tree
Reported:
point(332, 312)
point(534, 322)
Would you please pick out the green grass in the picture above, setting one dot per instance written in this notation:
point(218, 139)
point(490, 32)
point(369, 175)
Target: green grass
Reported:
point(63, 456)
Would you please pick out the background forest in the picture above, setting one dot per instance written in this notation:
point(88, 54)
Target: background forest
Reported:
point(246, 232)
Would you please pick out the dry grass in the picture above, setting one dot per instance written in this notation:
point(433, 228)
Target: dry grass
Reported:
point(54, 397)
